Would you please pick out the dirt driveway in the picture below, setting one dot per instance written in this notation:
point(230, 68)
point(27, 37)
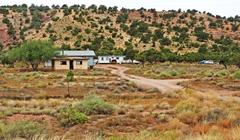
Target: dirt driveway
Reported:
point(145, 83)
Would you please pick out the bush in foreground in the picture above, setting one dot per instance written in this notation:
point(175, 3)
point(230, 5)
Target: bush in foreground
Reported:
point(92, 105)
point(222, 73)
point(237, 74)
point(71, 116)
point(20, 129)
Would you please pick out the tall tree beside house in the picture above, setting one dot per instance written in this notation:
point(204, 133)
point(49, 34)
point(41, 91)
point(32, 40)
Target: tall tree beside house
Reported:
point(34, 52)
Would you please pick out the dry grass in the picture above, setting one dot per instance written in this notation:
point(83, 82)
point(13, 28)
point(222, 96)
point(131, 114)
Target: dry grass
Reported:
point(181, 115)
point(180, 70)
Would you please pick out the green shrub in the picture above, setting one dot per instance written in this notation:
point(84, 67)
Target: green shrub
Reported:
point(147, 72)
point(20, 129)
point(164, 74)
point(122, 18)
point(1, 72)
point(95, 105)
point(88, 31)
point(163, 117)
point(237, 74)
point(69, 76)
point(71, 116)
point(221, 73)
point(207, 73)
point(55, 18)
point(173, 73)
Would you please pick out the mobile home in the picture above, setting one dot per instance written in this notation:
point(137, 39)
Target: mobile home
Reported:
point(111, 59)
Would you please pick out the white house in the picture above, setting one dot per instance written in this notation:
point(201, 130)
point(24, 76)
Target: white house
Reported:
point(111, 59)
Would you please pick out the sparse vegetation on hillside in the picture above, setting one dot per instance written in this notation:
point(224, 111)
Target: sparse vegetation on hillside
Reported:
point(144, 28)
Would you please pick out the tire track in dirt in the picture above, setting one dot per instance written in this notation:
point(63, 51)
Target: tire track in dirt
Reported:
point(145, 83)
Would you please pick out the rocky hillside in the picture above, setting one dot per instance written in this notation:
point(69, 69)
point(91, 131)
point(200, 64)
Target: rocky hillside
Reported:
point(107, 28)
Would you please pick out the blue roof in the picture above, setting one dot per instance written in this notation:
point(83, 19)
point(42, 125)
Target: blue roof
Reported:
point(76, 53)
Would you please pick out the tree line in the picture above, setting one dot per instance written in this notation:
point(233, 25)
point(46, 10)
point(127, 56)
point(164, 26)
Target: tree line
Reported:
point(224, 51)
point(35, 52)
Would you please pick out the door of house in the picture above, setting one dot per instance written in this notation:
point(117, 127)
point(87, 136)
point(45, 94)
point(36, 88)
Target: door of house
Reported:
point(71, 65)
point(53, 64)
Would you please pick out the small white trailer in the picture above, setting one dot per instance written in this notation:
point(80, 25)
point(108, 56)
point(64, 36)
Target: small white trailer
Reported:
point(110, 59)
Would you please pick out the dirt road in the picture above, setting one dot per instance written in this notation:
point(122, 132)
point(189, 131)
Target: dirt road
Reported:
point(145, 83)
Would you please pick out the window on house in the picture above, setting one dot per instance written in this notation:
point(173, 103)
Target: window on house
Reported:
point(63, 62)
point(117, 57)
point(79, 62)
point(102, 58)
